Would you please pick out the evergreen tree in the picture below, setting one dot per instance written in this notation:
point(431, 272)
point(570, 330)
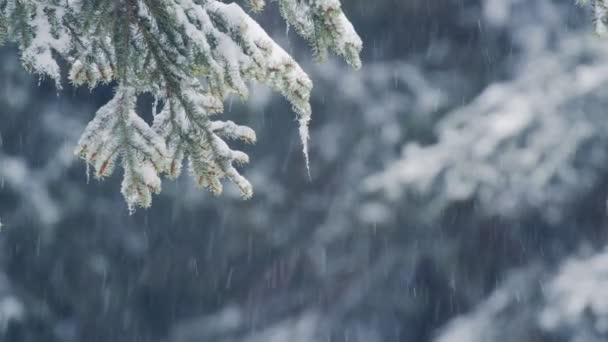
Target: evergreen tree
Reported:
point(190, 55)
point(600, 15)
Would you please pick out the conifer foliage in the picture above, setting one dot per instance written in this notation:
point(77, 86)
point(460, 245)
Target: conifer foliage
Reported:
point(190, 55)
point(600, 15)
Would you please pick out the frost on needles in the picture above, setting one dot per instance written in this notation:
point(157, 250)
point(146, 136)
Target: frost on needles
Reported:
point(190, 55)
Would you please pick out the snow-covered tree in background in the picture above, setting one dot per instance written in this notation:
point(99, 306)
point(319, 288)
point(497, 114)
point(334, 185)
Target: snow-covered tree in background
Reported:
point(600, 15)
point(521, 145)
point(190, 55)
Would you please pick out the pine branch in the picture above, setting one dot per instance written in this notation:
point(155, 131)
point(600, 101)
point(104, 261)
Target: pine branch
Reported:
point(599, 9)
point(118, 132)
point(190, 55)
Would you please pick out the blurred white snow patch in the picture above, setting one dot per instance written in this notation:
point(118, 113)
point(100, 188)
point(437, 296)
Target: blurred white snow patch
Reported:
point(32, 188)
point(31, 183)
point(503, 316)
point(374, 213)
point(212, 326)
point(570, 304)
point(11, 309)
point(509, 120)
point(13, 171)
point(228, 321)
point(577, 293)
point(474, 327)
point(298, 329)
point(496, 12)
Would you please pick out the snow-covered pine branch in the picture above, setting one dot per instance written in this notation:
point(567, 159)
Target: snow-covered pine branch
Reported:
point(190, 55)
point(600, 15)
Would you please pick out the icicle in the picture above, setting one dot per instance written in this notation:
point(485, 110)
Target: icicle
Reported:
point(304, 136)
point(88, 172)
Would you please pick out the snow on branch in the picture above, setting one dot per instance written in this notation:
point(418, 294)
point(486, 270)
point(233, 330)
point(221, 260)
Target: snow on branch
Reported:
point(118, 132)
point(600, 15)
point(190, 55)
point(325, 26)
point(536, 142)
